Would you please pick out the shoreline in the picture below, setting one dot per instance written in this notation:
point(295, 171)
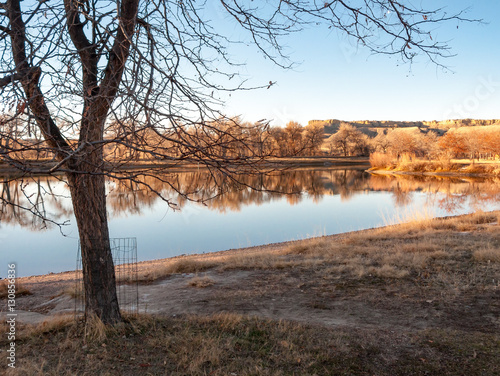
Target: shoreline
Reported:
point(215, 256)
point(432, 174)
point(485, 168)
point(268, 247)
point(180, 166)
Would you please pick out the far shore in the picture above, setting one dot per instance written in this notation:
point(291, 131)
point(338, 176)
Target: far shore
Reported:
point(483, 168)
point(444, 174)
point(43, 168)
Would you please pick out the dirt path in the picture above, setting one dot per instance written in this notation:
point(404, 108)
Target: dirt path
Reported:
point(288, 295)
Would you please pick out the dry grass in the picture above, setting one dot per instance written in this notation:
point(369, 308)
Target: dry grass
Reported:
point(382, 160)
point(261, 260)
point(174, 266)
point(20, 289)
point(95, 330)
point(410, 163)
point(487, 255)
point(55, 324)
point(406, 250)
point(201, 282)
point(74, 291)
point(229, 344)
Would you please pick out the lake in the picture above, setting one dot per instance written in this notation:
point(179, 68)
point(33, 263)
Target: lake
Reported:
point(218, 214)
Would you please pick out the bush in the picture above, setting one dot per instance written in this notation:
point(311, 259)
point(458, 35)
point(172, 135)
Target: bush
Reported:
point(381, 160)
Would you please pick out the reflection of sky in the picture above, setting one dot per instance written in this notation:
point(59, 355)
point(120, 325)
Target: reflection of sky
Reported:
point(163, 233)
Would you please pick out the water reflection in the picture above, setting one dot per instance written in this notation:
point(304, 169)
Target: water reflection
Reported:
point(224, 194)
point(448, 193)
point(47, 197)
point(34, 203)
point(209, 217)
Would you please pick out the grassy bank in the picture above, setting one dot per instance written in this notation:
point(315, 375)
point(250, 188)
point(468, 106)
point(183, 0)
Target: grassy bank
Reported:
point(421, 298)
point(408, 164)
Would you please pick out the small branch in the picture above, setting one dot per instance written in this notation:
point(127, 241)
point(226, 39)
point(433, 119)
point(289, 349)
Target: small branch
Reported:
point(5, 29)
point(10, 79)
point(28, 74)
point(59, 164)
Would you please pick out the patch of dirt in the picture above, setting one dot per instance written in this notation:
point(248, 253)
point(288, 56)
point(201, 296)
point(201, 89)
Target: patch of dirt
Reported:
point(289, 295)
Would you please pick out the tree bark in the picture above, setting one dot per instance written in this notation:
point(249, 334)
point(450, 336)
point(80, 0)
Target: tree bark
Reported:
point(89, 204)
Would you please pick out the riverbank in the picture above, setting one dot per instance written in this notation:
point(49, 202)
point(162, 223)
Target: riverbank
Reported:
point(44, 167)
point(444, 174)
point(417, 298)
point(407, 165)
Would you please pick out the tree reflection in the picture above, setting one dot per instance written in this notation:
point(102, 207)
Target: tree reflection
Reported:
point(34, 203)
point(38, 202)
point(450, 193)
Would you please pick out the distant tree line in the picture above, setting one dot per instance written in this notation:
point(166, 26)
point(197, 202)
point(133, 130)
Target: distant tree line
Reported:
point(129, 140)
point(465, 142)
point(478, 142)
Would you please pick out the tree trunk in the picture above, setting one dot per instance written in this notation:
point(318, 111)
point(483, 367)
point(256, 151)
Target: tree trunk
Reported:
point(89, 204)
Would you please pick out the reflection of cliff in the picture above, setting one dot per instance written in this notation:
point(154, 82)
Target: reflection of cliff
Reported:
point(48, 196)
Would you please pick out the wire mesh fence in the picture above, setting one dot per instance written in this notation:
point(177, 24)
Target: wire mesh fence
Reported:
point(124, 252)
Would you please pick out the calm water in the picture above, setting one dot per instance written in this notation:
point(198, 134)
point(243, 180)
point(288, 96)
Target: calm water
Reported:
point(316, 202)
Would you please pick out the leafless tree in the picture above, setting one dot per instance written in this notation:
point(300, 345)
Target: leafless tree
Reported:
point(314, 135)
point(349, 141)
point(70, 68)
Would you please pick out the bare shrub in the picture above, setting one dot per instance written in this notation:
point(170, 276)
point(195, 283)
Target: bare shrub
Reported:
point(388, 271)
point(20, 290)
point(201, 282)
point(382, 160)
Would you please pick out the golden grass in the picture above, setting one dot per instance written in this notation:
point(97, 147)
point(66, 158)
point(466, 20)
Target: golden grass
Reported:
point(174, 266)
point(261, 260)
point(382, 160)
point(54, 324)
point(410, 163)
point(96, 330)
point(201, 282)
point(75, 290)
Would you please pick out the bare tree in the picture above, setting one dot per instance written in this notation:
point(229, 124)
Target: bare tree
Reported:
point(350, 141)
point(294, 137)
point(69, 68)
point(313, 137)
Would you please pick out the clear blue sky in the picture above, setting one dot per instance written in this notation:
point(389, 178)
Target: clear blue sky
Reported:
point(335, 80)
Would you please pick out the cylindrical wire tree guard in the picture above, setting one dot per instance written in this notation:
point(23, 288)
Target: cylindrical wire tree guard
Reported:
point(124, 251)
